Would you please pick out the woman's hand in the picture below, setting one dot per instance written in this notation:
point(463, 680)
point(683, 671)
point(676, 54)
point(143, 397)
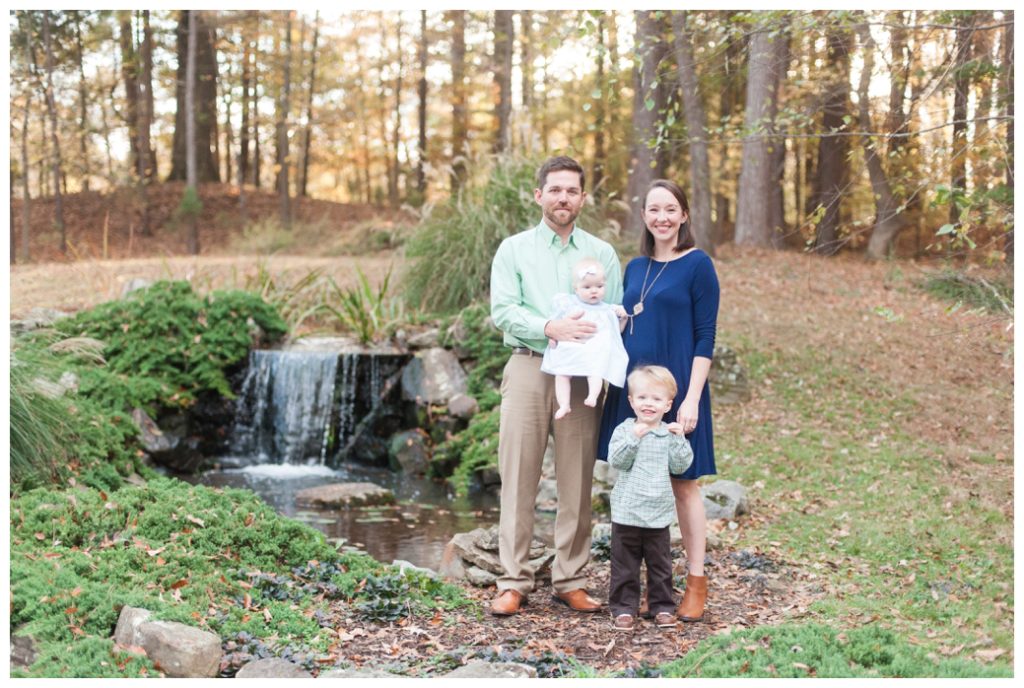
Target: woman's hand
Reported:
point(687, 415)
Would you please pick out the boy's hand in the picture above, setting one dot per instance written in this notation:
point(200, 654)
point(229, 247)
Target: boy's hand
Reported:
point(676, 429)
point(641, 429)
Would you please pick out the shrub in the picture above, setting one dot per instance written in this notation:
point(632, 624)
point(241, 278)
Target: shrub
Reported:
point(37, 424)
point(366, 312)
point(995, 296)
point(177, 338)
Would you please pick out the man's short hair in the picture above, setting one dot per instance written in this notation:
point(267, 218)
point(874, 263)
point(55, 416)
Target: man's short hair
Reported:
point(557, 163)
point(652, 374)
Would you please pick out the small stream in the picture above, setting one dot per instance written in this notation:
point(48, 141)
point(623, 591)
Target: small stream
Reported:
point(298, 418)
point(416, 529)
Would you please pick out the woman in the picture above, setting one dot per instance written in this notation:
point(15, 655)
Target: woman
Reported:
point(671, 296)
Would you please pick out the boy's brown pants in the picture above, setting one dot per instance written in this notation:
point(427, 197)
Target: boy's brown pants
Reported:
point(630, 546)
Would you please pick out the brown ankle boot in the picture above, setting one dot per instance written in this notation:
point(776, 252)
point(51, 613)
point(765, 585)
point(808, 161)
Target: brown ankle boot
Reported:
point(694, 597)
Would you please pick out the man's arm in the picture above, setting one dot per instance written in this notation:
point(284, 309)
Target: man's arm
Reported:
point(507, 311)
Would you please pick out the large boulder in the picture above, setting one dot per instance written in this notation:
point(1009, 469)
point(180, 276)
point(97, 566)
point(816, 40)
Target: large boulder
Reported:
point(23, 650)
point(345, 495)
point(725, 499)
point(433, 376)
point(480, 669)
point(409, 451)
point(463, 406)
point(272, 667)
point(37, 318)
point(180, 651)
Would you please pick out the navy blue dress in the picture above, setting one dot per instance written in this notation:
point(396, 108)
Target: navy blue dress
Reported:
point(678, 322)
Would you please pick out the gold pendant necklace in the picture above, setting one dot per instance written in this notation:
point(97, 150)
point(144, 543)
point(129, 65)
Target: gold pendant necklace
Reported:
point(645, 290)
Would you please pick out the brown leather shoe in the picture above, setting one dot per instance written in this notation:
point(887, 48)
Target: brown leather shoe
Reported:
point(624, 622)
point(694, 598)
point(578, 600)
point(665, 620)
point(507, 603)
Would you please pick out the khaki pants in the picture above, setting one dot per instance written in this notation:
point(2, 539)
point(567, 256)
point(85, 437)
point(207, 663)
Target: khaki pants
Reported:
point(527, 418)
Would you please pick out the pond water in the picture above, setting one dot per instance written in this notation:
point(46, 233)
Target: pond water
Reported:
point(416, 529)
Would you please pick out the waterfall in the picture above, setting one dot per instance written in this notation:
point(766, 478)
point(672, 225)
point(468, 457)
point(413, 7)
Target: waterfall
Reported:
point(302, 407)
point(284, 408)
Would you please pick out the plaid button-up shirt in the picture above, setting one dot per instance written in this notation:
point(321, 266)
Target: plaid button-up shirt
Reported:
point(642, 495)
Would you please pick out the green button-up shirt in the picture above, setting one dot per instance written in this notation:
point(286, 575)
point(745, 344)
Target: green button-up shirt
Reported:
point(529, 268)
point(642, 495)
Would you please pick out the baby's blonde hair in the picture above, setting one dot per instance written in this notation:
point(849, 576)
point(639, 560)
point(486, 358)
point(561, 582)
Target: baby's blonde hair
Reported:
point(584, 267)
point(657, 375)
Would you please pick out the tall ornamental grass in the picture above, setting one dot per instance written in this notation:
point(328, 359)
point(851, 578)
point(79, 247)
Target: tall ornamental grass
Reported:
point(450, 252)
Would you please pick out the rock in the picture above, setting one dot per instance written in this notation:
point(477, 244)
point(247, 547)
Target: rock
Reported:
point(180, 651)
point(134, 285)
point(48, 388)
point(488, 476)
point(404, 566)
point(427, 339)
point(126, 633)
point(478, 668)
point(272, 667)
point(452, 567)
point(463, 406)
point(547, 495)
point(601, 530)
point(433, 376)
point(353, 672)
point(23, 651)
point(69, 381)
point(345, 495)
point(481, 578)
point(151, 437)
point(135, 479)
point(409, 451)
point(713, 541)
point(604, 473)
point(37, 318)
point(487, 539)
point(728, 378)
point(724, 499)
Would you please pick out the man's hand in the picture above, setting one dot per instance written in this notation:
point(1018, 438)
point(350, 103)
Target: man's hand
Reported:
point(570, 329)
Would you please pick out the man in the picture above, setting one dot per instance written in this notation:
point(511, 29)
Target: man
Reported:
point(528, 270)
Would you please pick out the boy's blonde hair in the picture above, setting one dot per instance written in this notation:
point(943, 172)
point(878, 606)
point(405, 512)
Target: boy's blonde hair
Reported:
point(656, 375)
point(585, 267)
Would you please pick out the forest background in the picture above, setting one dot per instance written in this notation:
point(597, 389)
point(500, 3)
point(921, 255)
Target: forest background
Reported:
point(836, 163)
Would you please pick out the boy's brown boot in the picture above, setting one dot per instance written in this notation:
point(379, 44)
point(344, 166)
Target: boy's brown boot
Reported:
point(694, 598)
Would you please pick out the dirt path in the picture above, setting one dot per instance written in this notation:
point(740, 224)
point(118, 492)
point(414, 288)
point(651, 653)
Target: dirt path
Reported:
point(73, 286)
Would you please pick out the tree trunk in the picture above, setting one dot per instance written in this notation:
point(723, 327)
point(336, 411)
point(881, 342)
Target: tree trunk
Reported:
point(460, 115)
point(597, 185)
point(833, 164)
point(56, 162)
point(730, 100)
point(83, 120)
point(308, 132)
point(1008, 95)
point(643, 161)
point(395, 134)
point(206, 102)
point(243, 132)
point(191, 162)
point(24, 254)
point(503, 41)
point(696, 129)
point(777, 207)
point(421, 147)
point(257, 158)
point(147, 157)
point(755, 183)
point(896, 120)
point(962, 86)
point(526, 59)
point(283, 191)
point(888, 221)
point(130, 74)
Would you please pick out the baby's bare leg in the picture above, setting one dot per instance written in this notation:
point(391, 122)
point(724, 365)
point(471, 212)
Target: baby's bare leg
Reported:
point(563, 391)
point(594, 385)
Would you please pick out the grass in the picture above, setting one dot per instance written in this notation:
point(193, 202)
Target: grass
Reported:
point(868, 509)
